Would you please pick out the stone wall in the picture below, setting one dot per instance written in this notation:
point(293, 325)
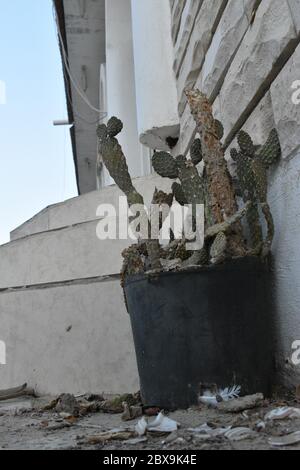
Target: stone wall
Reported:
point(245, 55)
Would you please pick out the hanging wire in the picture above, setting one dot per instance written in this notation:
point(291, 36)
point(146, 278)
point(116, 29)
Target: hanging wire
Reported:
point(69, 98)
point(66, 69)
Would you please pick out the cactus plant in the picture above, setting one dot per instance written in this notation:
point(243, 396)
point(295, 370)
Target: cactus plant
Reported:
point(116, 165)
point(252, 175)
point(196, 152)
point(224, 233)
point(271, 151)
point(165, 165)
point(246, 179)
point(179, 194)
point(114, 126)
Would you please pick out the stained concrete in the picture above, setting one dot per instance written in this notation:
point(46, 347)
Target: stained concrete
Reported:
point(68, 338)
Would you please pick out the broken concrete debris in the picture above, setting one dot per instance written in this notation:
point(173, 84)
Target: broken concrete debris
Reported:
point(161, 424)
point(16, 392)
point(241, 404)
point(239, 434)
point(116, 404)
point(288, 440)
point(212, 399)
point(68, 405)
point(246, 422)
point(131, 412)
point(283, 413)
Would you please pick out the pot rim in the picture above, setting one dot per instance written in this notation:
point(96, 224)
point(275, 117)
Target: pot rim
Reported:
point(244, 263)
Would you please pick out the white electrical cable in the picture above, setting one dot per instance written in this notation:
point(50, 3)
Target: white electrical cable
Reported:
point(65, 60)
point(69, 98)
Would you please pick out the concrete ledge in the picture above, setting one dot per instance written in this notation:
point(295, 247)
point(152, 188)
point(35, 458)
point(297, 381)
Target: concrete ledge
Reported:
point(59, 255)
point(83, 208)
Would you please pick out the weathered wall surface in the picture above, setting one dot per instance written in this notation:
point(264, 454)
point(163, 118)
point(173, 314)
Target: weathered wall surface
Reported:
point(245, 55)
point(68, 339)
point(62, 311)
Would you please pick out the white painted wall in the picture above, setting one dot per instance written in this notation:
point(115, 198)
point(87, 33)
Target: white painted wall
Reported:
point(68, 339)
point(155, 81)
point(121, 98)
point(46, 287)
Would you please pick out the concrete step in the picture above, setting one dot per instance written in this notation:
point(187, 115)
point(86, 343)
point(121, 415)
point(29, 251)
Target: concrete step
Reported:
point(63, 316)
point(68, 337)
point(83, 208)
point(59, 255)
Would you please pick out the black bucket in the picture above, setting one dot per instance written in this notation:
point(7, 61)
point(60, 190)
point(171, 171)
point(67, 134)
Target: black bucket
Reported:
point(210, 325)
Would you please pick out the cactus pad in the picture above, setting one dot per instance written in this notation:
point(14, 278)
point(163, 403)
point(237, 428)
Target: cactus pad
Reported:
point(114, 126)
point(102, 132)
point(219, 129)
point(165, 165)
point(179, 194)
point(246, 144)
point(196, 152)
point(271, 151)
point(218, 248)
point(116, 164)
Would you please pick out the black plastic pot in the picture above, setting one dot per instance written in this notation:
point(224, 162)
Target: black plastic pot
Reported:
point(211, 325)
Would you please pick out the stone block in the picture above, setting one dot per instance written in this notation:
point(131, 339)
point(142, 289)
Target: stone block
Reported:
point(226, 41)
point(286, 104)
point(272, 33)
point(199, 42)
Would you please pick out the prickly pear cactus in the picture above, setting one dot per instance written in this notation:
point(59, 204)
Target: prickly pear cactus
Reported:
point(163, 202)
point(246, 144)
point(115, 162)
point(165, 165)
point(196, 152)
point(161, 198)
point(181, 252)
point(271, 151)
point(219, 129)
point(114, 126)
point(247, 183)
point(102, 132)
point(224, 236)
point(132, 263)
point(252, 175)
point(179, 194)
point(191, 181)
point(218, 248)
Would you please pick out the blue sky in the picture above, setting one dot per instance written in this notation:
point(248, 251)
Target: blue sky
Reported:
point(36, 160)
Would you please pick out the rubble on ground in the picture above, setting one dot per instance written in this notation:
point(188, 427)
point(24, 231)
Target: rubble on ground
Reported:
point(121, 422)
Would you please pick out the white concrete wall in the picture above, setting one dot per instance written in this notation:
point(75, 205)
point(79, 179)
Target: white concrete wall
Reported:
point(156, 96)
point(71, 339)
point(83, 209)
point(121, 97)
point(55, 274)
point(247, 69)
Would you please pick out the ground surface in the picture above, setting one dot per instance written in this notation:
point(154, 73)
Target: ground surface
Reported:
point(24, 426)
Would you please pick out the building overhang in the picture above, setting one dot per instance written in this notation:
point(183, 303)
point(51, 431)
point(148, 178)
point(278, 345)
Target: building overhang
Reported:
point(81, 25)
